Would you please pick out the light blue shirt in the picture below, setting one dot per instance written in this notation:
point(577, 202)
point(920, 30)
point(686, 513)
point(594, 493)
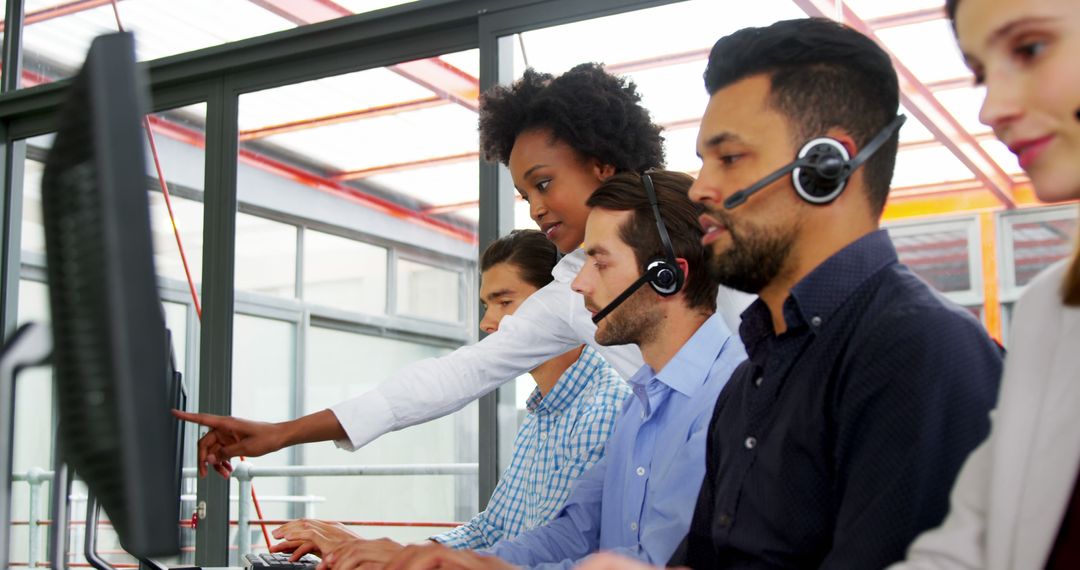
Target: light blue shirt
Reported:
point(638, 499)
point(562, 436)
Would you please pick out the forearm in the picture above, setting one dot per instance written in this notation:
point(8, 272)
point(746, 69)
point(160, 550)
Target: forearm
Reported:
point(319, 426)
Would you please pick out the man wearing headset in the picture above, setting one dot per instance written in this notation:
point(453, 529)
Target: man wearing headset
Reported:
point(645, 283)
point(837, 442)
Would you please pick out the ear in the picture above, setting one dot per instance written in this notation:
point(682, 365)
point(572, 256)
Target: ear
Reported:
point(602, 171)
point(844, 138)
point(685, 267)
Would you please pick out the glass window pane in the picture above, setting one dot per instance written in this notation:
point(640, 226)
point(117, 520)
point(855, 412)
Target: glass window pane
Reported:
point(941, 257)
point(265, 256)
point(341, 365)
point(427, 291)
point(264, 364)
point(1037, 244)
point(344, 274)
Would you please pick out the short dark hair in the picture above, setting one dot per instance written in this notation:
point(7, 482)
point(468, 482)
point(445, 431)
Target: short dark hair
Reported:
point(626, 192)
point(596, 113)
point(950, 9)
point(533, 254)
point(823, 75)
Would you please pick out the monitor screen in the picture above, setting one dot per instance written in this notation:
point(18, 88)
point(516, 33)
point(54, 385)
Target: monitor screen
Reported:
point(111, 359)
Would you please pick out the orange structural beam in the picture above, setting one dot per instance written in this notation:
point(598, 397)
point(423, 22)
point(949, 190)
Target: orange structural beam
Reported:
point(991, 289)
point(951, 199)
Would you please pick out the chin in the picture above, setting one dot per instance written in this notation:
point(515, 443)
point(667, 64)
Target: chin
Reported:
point(1062, 185)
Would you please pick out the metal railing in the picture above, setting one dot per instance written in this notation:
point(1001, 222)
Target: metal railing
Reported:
point(244, 473)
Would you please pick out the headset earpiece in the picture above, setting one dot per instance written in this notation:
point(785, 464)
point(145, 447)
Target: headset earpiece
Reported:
point(824, 178)
point(666, 279)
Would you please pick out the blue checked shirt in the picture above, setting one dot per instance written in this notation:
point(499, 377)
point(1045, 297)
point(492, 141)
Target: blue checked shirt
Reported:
point(638, 499)
point(563, 434)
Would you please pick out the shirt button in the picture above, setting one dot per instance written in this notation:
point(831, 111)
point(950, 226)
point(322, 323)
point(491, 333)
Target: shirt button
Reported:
point(816, 321)
point(543, 436)
point(750, 442)
point(759, 380)
point(640, 471)
point(633, 526)
point(724, 520)
point(642, 414)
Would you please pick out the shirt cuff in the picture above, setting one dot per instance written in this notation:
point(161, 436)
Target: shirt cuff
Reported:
point(364, 419)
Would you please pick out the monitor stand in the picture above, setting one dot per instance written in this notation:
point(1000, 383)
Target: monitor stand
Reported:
point(93, 513)
point(30, 346)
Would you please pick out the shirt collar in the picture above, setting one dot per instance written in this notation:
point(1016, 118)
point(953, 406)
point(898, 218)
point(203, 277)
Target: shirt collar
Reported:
point(690, 367)
point(817, 296)
point(568, 267)
point(570, 384)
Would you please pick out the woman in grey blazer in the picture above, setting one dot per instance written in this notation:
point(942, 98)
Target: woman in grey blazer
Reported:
point(1016, 503)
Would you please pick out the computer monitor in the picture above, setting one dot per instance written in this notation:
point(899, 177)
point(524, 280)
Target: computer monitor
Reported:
point(111, 358)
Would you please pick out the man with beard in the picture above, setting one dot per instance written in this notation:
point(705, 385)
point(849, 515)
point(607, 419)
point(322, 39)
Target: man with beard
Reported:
point(837, 442)
point(638, 499)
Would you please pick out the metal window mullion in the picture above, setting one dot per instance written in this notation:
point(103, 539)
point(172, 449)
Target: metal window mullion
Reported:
point(219, 253)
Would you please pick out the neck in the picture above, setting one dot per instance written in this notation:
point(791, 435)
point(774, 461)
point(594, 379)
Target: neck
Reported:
point(833, 234)
point(547, 374)
point(674, 332)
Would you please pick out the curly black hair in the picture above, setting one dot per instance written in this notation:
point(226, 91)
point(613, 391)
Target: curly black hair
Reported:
point(598, 114)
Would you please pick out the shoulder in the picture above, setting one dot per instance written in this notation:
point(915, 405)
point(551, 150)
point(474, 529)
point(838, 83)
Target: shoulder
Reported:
point(1042, 296)
point(606, 388)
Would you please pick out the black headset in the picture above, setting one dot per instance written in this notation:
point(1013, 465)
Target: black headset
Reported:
point(821, 169)
point(663, 274)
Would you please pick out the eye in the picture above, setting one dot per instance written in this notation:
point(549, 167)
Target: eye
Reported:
point(1029, 50)
point(505, 303)
point(542, 185)
point(730, 159)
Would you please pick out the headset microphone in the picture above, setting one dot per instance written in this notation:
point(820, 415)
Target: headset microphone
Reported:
point(822, 168)
point(662, 273)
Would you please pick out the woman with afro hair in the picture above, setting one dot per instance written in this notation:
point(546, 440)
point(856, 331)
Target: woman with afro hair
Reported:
point(561, 137)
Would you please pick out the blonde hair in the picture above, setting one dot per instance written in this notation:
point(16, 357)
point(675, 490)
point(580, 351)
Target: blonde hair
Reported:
point(1071, 287)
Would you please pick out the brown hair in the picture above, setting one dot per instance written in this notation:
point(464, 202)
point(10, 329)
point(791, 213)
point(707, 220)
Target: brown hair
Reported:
point(1071, 288)
point(529, 251)
point(625, 192)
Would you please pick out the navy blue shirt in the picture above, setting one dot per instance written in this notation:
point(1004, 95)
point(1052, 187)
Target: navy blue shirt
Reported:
point(838, 441)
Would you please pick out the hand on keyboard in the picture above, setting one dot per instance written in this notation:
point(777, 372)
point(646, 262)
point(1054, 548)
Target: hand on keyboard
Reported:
point(279, 561)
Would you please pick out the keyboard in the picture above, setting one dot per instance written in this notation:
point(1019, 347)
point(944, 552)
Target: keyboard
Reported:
point(279, 561)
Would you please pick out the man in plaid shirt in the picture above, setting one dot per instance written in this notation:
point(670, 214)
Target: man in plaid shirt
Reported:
point(570, 413)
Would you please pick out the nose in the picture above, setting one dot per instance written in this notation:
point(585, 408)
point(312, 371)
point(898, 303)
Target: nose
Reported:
point(581, 283)
point(1003, 104)
point(701, 191)
point(537, 209)
point(490, 322)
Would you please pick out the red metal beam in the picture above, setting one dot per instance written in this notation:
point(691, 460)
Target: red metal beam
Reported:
point(907, 18)
point(444, 79)
point(197, 139)
point(920, 101)
point(301, 12)
point(658, 61)
point(348, 116)
point(60, 10)
point(398, 167)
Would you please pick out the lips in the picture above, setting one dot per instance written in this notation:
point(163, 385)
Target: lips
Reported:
point(712, 227)
point(1029, 150)
point(550, 229)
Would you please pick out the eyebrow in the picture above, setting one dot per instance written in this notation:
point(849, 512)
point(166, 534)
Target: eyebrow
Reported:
point(1011, 26)
point(719, 139)
point(532, 169)
point(496, 294)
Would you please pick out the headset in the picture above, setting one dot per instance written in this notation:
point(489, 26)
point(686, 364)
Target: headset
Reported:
point(821, 169)
point(663, 274)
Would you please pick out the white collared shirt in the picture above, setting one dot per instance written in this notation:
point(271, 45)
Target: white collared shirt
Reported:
point(550, 322)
